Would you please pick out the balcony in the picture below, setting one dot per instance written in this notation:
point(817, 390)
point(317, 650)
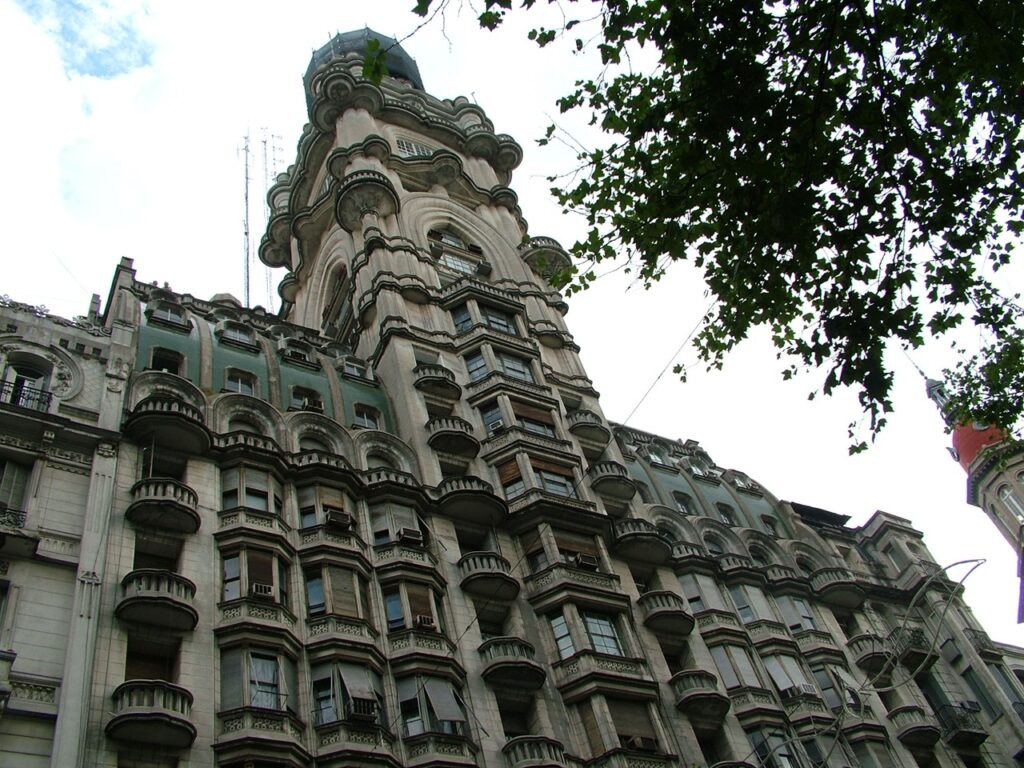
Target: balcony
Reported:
point(730, 562)
point(164, 503)
point(154, 713)
point(14, 540)
point(509, 664)
point(836, 586)
point(961, 727)
point(341, 630)
point(450, 434)
point(712, 621)
point(436, 380)
point(545, 256)
point(168, 421)
point(487, 575)
point(770, 635)
point(870, 652)
point(639, 540)
point(983, 644)
point(684, 552)
point(586, 668)
point(275, 736)
point(534, 752)
point(814, 642)
point(913, 648)
point(804, 706)
point(610, 479)
point(15, 393)
point(332, 537)
point(560, 581)
point(699, 697)
point(754, 703)
point(780, 574)
point(350, 740)
point(665, 613)
point(420, 644)
point(437, 748)
point(471, 499)
point(158, 598)
point(588, 428)
point(916, 730)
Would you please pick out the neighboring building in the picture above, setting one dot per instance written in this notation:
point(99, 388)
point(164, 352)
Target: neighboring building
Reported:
point(392, 527)
point(994, 463)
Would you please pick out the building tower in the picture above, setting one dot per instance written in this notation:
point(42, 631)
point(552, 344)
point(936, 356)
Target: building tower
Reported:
point(390, 527)
point(994, 463)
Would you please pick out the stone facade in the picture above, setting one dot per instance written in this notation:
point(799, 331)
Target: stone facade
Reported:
point(391, 525)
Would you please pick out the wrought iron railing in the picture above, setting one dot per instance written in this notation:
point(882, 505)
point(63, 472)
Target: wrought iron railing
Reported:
point(16, 393)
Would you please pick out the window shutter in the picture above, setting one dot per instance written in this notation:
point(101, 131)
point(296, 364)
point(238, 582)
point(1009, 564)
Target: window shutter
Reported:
point(332, 497)
point(420, 603)
point(307, 496)
point(530, 541)
point(291, 682)
point(576, 542)
point(508, 472)
point(789, 613)
point(631, 718)
point(442, 699)
point(405, 517)
point(257, 479)
point(530, 412)
point(364, 599)
point(261, 567)
point(550, 466)
point(356, 680)
point(230, 678)
point(343, 596)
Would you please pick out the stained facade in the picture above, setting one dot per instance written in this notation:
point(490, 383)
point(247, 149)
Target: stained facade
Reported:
point(391, 525)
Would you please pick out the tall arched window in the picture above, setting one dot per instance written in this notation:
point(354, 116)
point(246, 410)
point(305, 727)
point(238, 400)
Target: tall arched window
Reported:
point(1012, 501)
point(25, 384)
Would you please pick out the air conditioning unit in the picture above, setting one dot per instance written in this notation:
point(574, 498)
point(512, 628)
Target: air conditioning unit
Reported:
point(425, 622)
point(339, 519)
point(970, 706)
point(363, 710)
point(640, 743)
point(495, 427)
point(800, 689)
point(262, 591)
point(410, 536)
point(484, 268)
point(589, 562)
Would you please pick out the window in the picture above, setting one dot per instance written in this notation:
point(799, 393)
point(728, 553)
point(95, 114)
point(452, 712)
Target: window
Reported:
point(535, 420)
point(981, 694)
point(347, 691)
point(319, 503)
point(13, 481)
point(338, 591)
point(785, 671)
point(603, 636)
point(367, 417)
point(391, 522)
point(460, 316)
point(490, 414)
point(633, 724)
point(837, 687)
point(236, 333)
point(355, 368)
point(257, 677)
point(166, 360)
point(499, 320)
point(430, 705)
point(656, 455)
point(251, 488)
point(409, 148)
point(476, 366)
point(25, 386)
point(734, 666)
point(726, 514)
point(410, 605)
point(516, 367)
point(771, 527)
point(773, 748)
point(553, 478)
point(242, 382)
point(1005, 682)
point(304, 399)
point(797, 613)
point(168, 313)
point(563, 640)
point(1012, 501)
point(714, 546)
point(683, 502)
point(263, 572)
point(743, 609)
point(511, 479)
point(457, 263)
point(896, 557)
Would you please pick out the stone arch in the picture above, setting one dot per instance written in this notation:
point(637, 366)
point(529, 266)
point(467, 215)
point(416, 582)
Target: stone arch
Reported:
point(300, 424)
point(806, 558)
point(731, 542)
point(425, 211)
point(371, 441)
point(235, 406)
point(62, 373)
point(755, 540)
point(149, 383)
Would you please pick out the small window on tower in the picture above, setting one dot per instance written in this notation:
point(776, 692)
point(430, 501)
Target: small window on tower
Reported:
point(409, 148)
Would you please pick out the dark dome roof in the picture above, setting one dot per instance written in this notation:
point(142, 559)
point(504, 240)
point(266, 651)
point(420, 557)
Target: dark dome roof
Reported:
point(398, 62)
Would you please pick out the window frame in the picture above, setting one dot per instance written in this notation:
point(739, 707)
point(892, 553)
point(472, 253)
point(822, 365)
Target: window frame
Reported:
point(514, 366)
point(237, 380)
point(241, 578)
point(396, 595)
point(476, 364)
point(603, 633)
point(565, 646)
point(249, 682)
point(366, 416)
point(249, 489)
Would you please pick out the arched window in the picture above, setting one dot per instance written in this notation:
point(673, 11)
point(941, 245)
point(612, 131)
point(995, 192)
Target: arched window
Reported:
point(1012, 501)
point(242, 424)
point(806, 566)
point(310, 443)
point(714, 546)
point(771, 526)
point(760, 557)
point(26, 383)
point(378, 460)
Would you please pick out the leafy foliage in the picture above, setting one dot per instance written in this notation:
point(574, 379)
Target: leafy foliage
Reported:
point(845, 172)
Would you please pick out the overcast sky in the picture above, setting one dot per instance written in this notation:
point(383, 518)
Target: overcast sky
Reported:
point(121, 136)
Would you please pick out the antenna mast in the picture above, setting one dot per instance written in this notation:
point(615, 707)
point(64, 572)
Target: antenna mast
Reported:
point(245, 223)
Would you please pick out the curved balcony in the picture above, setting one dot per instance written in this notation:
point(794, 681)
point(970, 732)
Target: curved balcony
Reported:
point(814, 642)
point(913, 647)
point(610, 479)
point(698, 696)
point(780, 574)
point(436, 380)
point(450, 434)
point(639, 540)
point(837, 587)
point(164, 503)
point(472, 499)
point(768, 635)
point(714, 621)
point(488, 575)
point(169, 421)
point(509, 663)
point(152, 712)
point(665, 613)
point(545, 256)
point(869, 651)
point(961, 727)
point(915, 729)
point(158, 598)
point(534, 752)
point(592, 433)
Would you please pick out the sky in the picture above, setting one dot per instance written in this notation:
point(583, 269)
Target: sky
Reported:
point(122, 135)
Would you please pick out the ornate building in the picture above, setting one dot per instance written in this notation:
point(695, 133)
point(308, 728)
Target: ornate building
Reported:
point(391, 526)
